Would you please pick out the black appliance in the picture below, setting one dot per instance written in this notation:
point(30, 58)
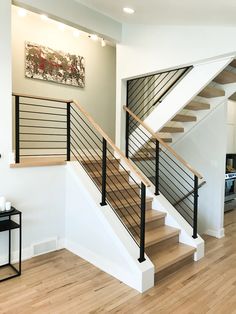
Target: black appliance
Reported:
point(230, 180)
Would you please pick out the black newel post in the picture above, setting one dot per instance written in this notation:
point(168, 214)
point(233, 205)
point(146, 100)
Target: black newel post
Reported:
point(142, 223)
point(68, 131)
point(195, 210)
point(104, 171)
point(17, 129)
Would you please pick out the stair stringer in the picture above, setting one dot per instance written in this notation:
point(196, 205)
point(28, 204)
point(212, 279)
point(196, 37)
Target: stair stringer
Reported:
point(187, 89)
point(96, 234)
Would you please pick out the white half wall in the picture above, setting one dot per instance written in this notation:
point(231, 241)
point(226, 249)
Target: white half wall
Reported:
point(96, 234)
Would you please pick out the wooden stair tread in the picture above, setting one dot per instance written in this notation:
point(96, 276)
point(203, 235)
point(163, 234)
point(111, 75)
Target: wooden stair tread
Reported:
point(195, 105)
point(225, 77)
point(172, 129)
point(142, 156)
point(151, 215)
point(233, 63)
point(184, 118)
point(121, 187)
point(233, 97)
point(167, 256)
point(40, 162)
point(99, 161)
point(211, 92)
point(165, 139)
point(129, 202)
point(115, 172)
point(157, 235)
point(148, 150)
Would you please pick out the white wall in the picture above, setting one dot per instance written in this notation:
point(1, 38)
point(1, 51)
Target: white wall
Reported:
point(146, 49)
point(189, 87)
point(98, 96)
point(75, 14)
point(231, 127)
point(39, 192)
point(205, 148)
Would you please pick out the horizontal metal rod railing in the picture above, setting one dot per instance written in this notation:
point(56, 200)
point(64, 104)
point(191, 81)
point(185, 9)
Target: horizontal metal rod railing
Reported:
point(121, 155)
point(161, 141)
point(41, 127)
point(170, 174)
point(189, 193)
point(145, 93)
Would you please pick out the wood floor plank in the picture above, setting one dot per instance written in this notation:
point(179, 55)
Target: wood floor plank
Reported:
point(61, 283)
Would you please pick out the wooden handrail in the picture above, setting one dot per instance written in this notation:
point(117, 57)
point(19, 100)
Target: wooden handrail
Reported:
point(168, 147)
point(42, 98)
point(130, 165)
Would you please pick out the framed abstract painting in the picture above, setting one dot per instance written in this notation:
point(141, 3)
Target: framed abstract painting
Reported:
point(46, 64)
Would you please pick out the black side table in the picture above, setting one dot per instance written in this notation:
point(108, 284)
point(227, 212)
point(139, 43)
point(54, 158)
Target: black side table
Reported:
point(8, 225)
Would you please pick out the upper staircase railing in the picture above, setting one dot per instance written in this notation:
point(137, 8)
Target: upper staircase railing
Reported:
point(166, 169)
point(145, 93)
point(48, 127)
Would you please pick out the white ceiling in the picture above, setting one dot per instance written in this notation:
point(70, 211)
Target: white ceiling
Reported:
point(168, 12)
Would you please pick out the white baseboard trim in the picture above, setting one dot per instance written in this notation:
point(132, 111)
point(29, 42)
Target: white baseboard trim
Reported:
point(216, 233)
point(27, 253)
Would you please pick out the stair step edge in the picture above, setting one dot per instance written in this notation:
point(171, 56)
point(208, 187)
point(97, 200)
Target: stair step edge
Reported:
point(161, 215)
point(184, 252)
point(170, 234)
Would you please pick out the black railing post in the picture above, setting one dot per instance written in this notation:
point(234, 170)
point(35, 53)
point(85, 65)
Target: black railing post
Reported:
point(157, 168)
point(17, 129)
point(195, 209)
point(142, 223)
point(104, 171)
point(68, 131)
point(127, 135)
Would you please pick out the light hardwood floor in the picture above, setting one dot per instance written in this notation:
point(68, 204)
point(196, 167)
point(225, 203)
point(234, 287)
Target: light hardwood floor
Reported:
point(61, 282)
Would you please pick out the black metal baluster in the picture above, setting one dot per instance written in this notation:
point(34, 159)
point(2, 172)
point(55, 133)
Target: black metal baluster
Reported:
point(17, 129)
point(68, 131)
point(127, 135)
point(142, 223)
point(20, 242)
point(157, 168)
point(127, 123)
point(104, 171)
point(195, 207)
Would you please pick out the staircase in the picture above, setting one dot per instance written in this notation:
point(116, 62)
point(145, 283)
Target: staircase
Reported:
point(72, 135)
point(161, 241)
point(151, 152)
point(186, 118)
point(198, 104)
point(150, 192)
